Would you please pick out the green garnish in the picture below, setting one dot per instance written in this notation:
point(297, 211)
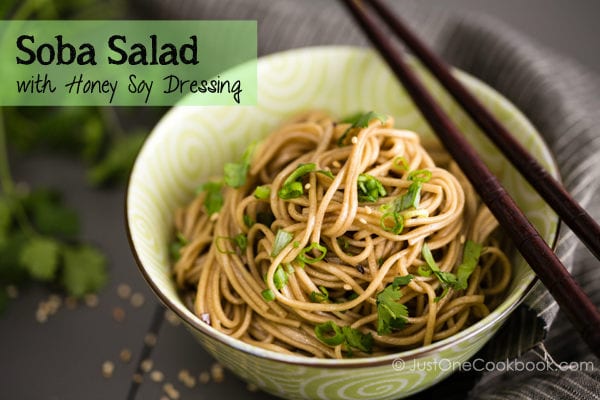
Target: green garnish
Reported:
point(304, 259)
point(176, 245)
point(241, 240)
point(262, 192)
point(322, 296)
point(248, 221)
point(447, 279)
point(390, 314)
point(471, 254)
point(326, 172)
point(280, 278)
point(397, 222)
point(214, 198)
point(359, 120)
point(329, 333)
point(333, 335)
point(411, 198)
point(235, 173)
point(401, 163)
point(268, 295)
point(282, 239)
point(291, 188)
point(357, 339)
point(369, 188)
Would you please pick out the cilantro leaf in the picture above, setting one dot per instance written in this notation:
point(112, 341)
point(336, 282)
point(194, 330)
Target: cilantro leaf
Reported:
point(359, 120)
point(390, 314)
point(214, 197)
point(84, 270)
point(235, 173)
point(471, 254)
point(447, 279)
point(357, 339)
point(40, 257)
point(118, 161)
point(49, 216)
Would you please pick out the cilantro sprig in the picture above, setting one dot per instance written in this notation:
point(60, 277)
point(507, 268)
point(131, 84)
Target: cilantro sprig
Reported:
point(331, 334)
point(470, 260)
point(235, 173)
point(391, 314)
point(358, 121)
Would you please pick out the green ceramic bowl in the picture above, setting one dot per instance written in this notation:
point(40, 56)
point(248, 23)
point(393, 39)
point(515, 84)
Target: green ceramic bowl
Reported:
point(192, 143)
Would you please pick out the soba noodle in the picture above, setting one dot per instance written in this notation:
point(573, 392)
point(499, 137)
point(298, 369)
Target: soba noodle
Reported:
point(340, 239)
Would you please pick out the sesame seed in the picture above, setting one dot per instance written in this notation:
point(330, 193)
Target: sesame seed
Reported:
point(157, 376)
point(307, 186)
point(336, 164)
point(354, 140)
point(137, 300)
point(108, 367)
point(118, 314)
point(125, 355)
point(214, 217)
point(171, 391)
point(204, 377)
point(146, 365)
point(91, 300)
point(186, 378)
point(150, 339)
point(347, 287)
point(137, 378)
point(368, 210)
point(362, 220)
point(251, 387)
point(124, 291)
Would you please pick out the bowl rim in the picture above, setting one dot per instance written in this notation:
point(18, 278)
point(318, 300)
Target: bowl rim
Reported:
point(197, 325)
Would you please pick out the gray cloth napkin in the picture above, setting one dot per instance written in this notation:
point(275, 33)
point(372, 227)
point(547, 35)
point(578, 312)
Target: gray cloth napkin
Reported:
point(560, 98)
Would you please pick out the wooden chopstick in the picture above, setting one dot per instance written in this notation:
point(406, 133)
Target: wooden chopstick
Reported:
point(582, 224)
point(568, 294)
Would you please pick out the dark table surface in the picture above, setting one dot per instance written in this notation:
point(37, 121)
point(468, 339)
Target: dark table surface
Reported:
point(62, 358)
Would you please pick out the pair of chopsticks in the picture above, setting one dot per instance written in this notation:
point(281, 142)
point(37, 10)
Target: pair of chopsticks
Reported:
point(568, 294)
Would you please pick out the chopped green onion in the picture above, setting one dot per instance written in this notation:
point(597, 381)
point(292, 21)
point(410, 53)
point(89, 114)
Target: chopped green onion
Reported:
point(326, 172)
point(235, 173)
point(412, 198)
point(322, 296)
point(268, 295)
point(218, 242)
point(401, 163)
point(420, 175)
point(282, 239)
point(396, 219)
point(280, 278)
point(303, 258)
point(262, 192)
point(241, 241)
point(471, 254)
point(329, 333)
point(369, 188)
point(214, 198)
point(291, 188)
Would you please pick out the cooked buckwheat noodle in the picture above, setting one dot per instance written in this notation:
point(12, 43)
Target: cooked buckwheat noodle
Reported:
point(342, 249)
